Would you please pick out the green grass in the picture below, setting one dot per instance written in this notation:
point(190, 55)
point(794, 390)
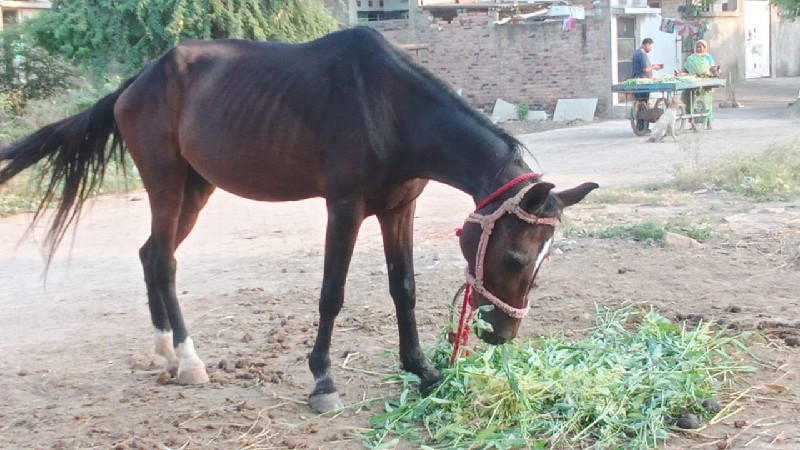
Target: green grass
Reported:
point(649, 231)
point(622, 386)
point(771, 175)
point(653, 194)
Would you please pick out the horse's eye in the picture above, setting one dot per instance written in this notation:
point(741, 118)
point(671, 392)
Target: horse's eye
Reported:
point(514, 260)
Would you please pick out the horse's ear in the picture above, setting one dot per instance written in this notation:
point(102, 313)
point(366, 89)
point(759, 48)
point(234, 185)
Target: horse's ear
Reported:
point(536, 196)
point(576, 194)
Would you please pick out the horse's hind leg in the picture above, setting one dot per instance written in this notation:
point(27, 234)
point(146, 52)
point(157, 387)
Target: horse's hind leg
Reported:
point(195, 195)
point(344, 220)
point(176, 195)
point(397, 226)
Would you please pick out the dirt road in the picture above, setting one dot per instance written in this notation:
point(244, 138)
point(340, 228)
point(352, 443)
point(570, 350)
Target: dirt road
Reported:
point(79, 370)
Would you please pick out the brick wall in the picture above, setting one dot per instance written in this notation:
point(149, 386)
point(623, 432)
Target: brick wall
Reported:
point(536, 63)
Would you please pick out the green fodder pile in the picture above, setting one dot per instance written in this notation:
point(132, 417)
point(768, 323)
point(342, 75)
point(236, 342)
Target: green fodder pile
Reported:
point(623, 385)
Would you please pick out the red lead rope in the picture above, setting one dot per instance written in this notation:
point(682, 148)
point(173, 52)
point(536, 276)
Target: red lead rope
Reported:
point(461, 335)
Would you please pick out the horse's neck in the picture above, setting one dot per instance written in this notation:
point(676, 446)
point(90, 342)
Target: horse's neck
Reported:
point(475, 162)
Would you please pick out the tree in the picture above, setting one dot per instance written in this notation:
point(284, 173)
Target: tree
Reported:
point(791, 8)
point(130, 32)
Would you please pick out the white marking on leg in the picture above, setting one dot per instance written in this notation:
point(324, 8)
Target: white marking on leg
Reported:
point(163, 340)
point(191, 369)
point(187, 355)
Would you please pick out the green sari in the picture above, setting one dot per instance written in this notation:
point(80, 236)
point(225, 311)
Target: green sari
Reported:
point(700, 65)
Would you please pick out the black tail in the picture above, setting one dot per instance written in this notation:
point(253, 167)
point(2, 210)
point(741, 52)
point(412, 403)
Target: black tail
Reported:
point(75, 156)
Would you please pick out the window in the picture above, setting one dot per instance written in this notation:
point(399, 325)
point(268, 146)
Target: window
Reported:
point(10, 17)
point(626, 45)
point(372, 10)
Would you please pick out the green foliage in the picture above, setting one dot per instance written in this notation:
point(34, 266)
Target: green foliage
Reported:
point(95, 33)
point(790, 8)
point(22, 193)
point(648, 231)
point(522, 110)
point(27, 71)
point(771, 175)
point(619, 387)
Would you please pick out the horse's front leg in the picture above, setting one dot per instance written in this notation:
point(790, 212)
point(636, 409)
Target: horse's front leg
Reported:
point(344, 220)
point(397, 226)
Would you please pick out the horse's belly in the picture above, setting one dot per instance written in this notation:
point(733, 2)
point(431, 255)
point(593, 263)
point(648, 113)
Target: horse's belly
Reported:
point(264, 182)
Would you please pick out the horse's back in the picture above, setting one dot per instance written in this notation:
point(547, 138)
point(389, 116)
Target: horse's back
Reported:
point(262, 120)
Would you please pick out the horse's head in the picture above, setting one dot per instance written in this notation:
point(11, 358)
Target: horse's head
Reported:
point(505, 248)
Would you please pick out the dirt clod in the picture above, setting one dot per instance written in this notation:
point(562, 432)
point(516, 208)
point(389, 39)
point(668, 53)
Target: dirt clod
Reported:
point(734, 309)
point(163, 378)
point(792, 341)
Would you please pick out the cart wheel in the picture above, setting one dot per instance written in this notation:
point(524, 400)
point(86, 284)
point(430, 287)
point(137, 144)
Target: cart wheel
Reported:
point(639, 126)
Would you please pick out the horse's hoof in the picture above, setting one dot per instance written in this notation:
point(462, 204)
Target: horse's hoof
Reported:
point(323, 403)
point(192, 375)
point(428, 385)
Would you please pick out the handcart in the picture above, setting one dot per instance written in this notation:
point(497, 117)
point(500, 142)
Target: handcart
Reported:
point(642, 115)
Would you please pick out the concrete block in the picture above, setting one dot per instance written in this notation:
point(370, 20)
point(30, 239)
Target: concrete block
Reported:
point(504, 110)
point(536, 116)
point(575, 109)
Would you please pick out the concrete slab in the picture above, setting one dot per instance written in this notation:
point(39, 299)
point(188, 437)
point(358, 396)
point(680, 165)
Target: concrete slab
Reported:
point(504, 110)
point(575, 108)
point(537, 115)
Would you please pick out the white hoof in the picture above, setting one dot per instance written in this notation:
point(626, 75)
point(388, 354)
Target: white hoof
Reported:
point(192, 375)
point(191, 369)
point(323, 403)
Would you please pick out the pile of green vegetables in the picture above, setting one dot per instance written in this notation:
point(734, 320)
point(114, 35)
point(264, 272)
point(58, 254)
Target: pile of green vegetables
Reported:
point(623, 385)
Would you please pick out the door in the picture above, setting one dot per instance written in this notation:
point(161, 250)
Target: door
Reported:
point(756, 23)
point(665, 45)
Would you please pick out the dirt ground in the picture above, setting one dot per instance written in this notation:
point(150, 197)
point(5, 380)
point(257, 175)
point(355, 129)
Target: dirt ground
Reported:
point(78, 368)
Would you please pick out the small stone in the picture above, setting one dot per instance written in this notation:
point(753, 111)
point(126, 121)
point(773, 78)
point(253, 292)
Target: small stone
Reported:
point(22, 373)
point(739, 423)
point(247, 338)
point(734, 309)
point(792, 341)
point(688, 422)
point(675, 240)
point(241, 364)
point(223, 364)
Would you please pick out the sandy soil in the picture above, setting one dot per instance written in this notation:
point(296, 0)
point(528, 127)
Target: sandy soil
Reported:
point(79, 371)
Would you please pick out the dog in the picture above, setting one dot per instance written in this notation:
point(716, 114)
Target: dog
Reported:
point(666, 123)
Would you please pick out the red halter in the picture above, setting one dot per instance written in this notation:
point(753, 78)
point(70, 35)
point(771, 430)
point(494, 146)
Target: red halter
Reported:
point(510, 206)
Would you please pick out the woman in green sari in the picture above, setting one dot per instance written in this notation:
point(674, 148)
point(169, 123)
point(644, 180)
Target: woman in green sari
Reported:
point(701, 64)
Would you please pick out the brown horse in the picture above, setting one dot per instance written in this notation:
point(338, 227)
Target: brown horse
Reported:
point(346, 117)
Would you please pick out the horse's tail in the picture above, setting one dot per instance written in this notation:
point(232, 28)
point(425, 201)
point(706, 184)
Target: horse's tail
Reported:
point(75, 154)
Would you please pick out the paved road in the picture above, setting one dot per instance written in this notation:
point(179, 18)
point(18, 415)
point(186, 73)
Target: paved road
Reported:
point(609, 153)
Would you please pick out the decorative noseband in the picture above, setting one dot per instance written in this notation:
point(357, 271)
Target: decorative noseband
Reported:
point(487, 222)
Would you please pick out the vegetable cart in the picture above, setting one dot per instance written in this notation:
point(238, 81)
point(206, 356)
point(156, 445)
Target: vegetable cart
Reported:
point(642, 115)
